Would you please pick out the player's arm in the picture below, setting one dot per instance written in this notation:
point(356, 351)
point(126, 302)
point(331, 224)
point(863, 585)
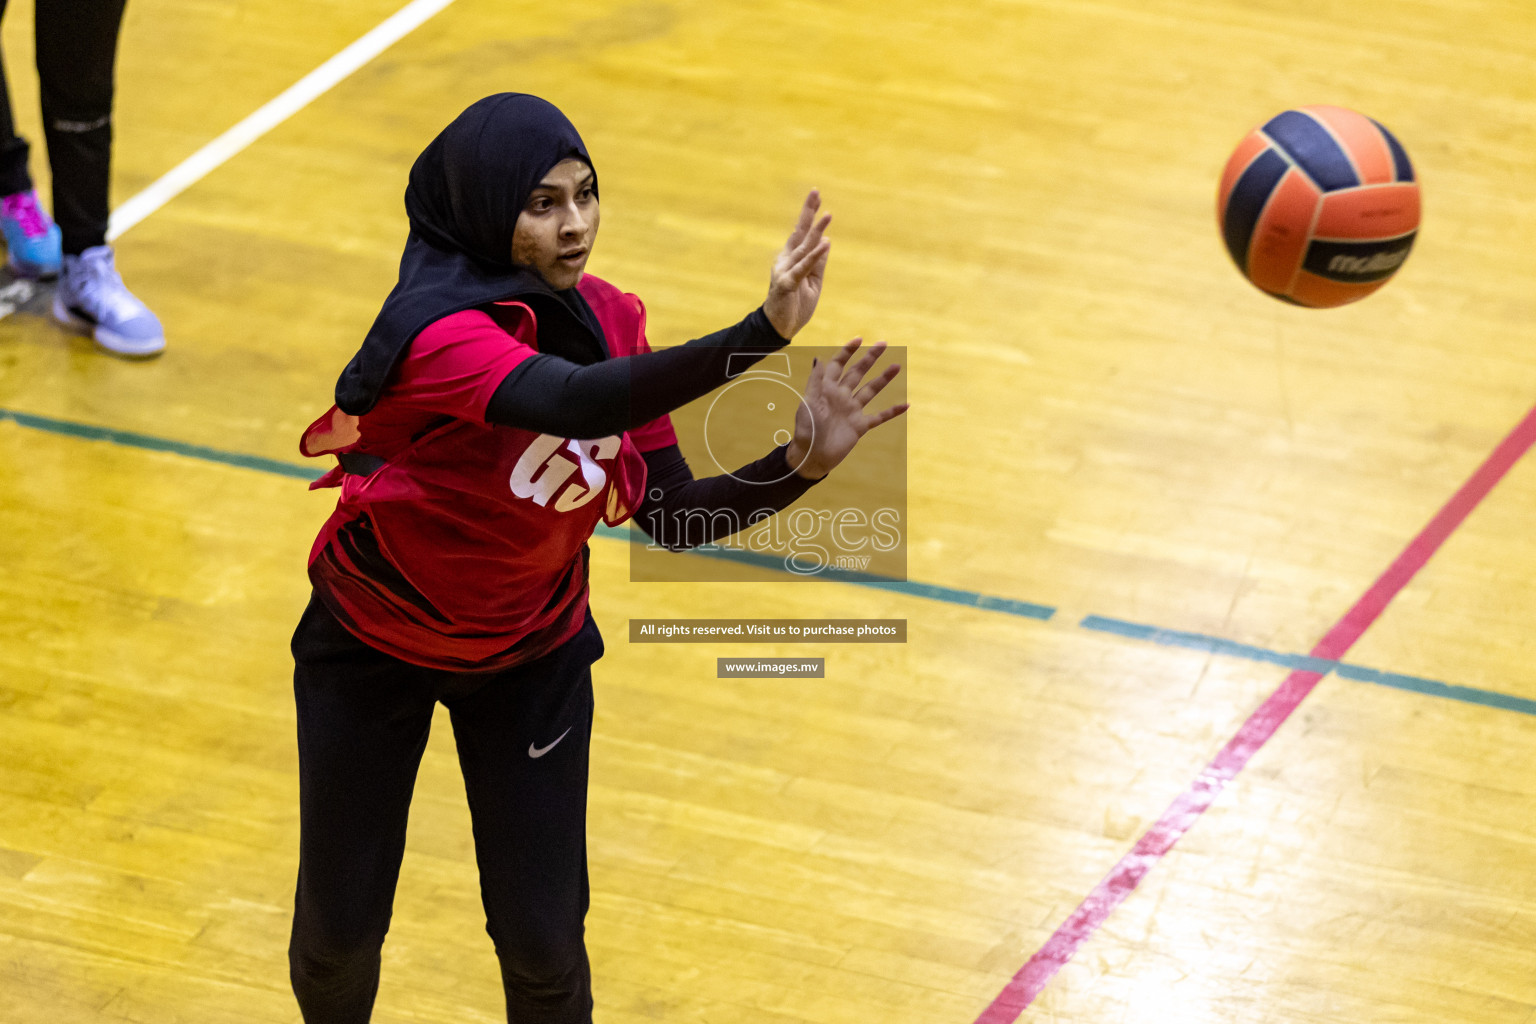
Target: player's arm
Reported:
point(555, 396)
point(680, 512)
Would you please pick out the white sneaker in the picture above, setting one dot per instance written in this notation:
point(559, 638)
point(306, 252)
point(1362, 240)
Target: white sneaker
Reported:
point(92, 299)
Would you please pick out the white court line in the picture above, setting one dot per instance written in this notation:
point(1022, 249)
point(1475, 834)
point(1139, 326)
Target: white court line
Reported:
point(295, 98)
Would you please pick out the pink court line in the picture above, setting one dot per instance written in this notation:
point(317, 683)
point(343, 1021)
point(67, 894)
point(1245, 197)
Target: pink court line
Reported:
point(1186, 809)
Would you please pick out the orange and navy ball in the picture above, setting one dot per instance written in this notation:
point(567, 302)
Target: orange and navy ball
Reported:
point(1319, 206)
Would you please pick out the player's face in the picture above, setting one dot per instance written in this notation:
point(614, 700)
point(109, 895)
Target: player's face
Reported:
point(555, 231)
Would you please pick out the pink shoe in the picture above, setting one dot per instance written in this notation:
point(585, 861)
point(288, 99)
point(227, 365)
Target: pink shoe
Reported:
point(32, 239)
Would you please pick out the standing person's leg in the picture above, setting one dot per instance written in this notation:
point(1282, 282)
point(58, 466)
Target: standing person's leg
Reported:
point(523, 739)
point(31, 239)
point(363, 723)
point(14, 176)
point(76, 60)
point(76, 64)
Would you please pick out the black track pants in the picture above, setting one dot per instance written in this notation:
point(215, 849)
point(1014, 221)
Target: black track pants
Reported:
point(523, 738)
point(76, 55)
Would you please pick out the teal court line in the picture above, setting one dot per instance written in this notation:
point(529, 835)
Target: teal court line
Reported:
point(1357, 673)
point(927, 591)
point(129, 439)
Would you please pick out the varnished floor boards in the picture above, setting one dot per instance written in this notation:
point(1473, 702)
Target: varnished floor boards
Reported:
point(1106, 420)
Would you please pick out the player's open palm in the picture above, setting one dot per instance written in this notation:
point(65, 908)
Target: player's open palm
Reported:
point(794, 284)
point(831, 416)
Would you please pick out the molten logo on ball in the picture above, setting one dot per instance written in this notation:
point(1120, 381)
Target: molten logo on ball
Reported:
point(1375, 267)
point(1318, 206)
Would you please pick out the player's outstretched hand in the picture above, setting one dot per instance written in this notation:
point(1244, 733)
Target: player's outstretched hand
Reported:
point(794, 285)
point(831, 416)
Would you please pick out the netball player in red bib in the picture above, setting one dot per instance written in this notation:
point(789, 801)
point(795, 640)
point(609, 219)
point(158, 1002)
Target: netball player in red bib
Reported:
point(502, 405)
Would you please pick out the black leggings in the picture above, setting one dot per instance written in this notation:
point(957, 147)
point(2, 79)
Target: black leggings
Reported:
point(76, 54)
point(523, 737)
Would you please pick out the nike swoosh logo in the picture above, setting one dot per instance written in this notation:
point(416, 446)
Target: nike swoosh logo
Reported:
point(534, 751)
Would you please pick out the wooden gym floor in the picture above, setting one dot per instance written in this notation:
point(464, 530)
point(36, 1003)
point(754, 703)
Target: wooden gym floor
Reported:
point(1108, 422)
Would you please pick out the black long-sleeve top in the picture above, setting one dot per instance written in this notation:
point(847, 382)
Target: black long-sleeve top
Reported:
point(556, 396)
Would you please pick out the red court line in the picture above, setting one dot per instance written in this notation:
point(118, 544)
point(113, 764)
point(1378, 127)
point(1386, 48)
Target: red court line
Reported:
point(1186, 809)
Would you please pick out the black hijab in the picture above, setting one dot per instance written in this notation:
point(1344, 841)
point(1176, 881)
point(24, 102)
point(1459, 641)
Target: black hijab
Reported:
point(465, 193)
